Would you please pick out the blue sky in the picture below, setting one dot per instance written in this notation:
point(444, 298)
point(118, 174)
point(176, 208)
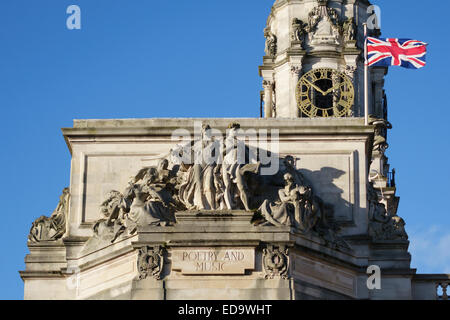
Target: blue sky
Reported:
point(197, 58)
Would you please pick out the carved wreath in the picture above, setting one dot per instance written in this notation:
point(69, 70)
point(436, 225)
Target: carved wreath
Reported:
point(276, 262)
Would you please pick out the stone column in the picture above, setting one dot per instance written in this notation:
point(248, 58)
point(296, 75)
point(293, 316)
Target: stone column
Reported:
point(268, 98)
point(296, 70)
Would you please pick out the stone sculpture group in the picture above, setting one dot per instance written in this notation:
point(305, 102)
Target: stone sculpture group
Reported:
point(226, 183)
point(155, 194)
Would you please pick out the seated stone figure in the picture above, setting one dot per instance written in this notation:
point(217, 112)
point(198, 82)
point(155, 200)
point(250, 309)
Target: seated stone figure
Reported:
point(151, 201)
point(54, 227)
point(382, 226)
point(297, 207)
point(147, 200)
point(112, 212)
point(283, 212)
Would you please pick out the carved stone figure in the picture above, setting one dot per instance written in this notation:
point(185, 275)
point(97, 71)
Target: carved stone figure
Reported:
point(147, 207)
point(110, 208)
point(313, 19)
point(151, 199)
point(191, 192)
point(112, 221)
point(381, 126)
point(271, 43)
point(349, 30)
point(219, 188)
point(383, 226)
point(54, 227)
point(147, 201)
point(276, 262)
point(150, 262)
point(233, 170)
point(297, 207)
point(198, 187)
point(298, 31)
point(285, 211)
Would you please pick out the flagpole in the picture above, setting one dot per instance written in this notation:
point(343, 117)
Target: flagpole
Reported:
point(366, 79)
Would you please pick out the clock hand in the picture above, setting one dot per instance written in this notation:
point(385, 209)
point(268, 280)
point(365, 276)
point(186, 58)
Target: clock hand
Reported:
point(331, 89)
point(316, 87)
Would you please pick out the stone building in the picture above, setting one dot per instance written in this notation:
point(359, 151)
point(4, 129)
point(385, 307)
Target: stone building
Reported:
point(300, 204)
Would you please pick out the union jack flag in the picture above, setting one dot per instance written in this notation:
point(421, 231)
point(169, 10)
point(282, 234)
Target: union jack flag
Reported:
point(396, 52)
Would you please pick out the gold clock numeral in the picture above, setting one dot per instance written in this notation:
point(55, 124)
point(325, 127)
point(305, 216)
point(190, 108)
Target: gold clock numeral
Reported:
point(304, 94)
point(313, 77)
point(325, 114)
point(343, 104)
point(345, 94)
point(305, 104)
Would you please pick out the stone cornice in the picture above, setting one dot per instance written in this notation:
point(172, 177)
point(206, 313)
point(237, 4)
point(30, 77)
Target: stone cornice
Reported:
point(30, 275)
point(116, 128)
point(428, 277)
point(95, 126)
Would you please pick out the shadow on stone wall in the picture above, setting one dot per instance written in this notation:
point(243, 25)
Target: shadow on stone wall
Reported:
point(323, 183)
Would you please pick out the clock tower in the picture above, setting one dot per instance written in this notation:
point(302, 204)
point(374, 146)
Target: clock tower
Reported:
point(314, 61)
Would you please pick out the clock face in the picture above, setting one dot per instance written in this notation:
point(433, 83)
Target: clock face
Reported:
point(325, 93)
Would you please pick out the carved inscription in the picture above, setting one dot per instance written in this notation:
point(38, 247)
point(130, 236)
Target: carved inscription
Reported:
point(212, 261)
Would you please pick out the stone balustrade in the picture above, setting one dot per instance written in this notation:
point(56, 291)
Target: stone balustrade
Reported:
point(442, 285)
point(431, 286)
